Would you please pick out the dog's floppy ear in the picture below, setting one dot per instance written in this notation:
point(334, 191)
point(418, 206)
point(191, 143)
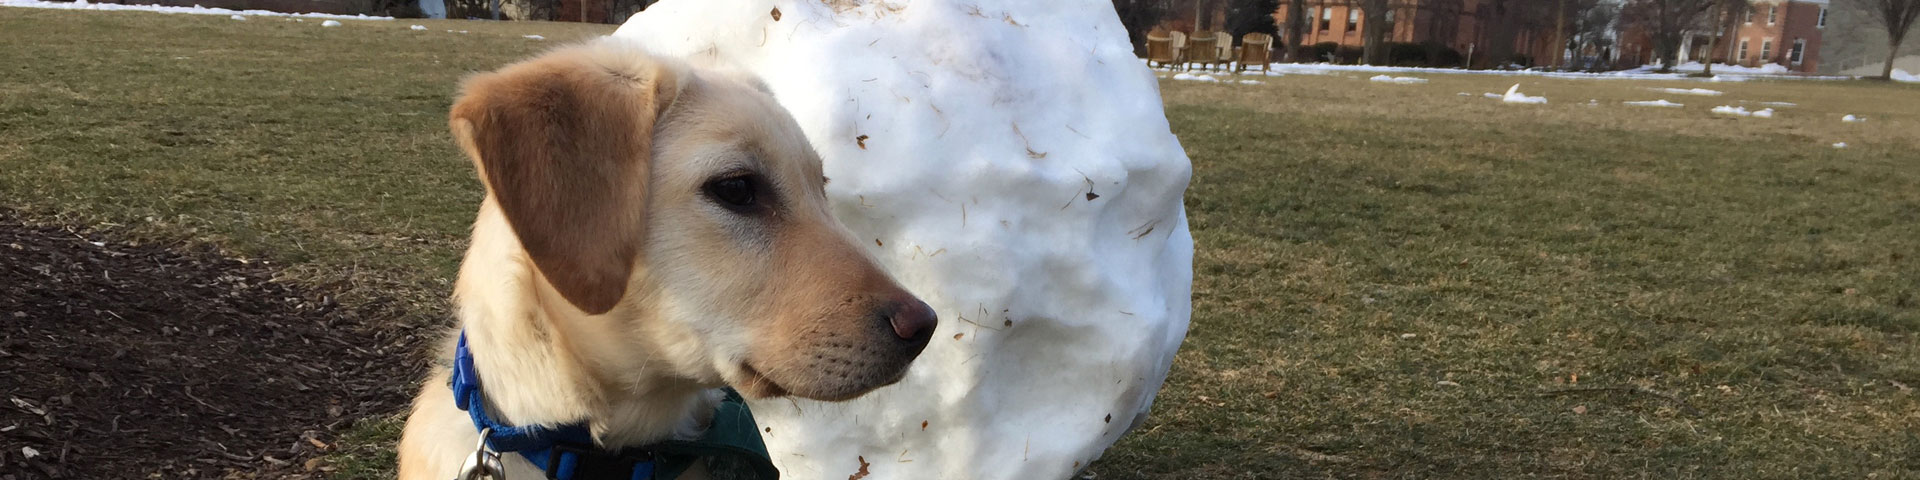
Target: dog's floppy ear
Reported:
point(563, 143)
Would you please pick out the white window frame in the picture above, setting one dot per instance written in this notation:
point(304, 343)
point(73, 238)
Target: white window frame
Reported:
point(1823, 18)
point(1766, 50)
point(1743, 53)
point(1750, 16)
point(1326, 18)
point(1798, 53)
point(1353, 19)
point(1773, 13)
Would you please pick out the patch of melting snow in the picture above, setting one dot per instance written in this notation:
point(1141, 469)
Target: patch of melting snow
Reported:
point(1514, 96)
point(1397, 80)
point(1197, 78)
point(1840, 145)
point(1251, 82)
point(1691, 91)
point(1853, 119)
point(1742, 111)
point(239, 17)
point(533, 37)
point(330, 23)
point(418, 27)
point(1656, 103)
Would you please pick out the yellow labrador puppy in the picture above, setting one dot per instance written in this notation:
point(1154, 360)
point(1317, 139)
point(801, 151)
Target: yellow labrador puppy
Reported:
point(651, 231)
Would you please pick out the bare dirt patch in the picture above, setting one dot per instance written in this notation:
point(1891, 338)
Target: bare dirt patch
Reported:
point(127, 360)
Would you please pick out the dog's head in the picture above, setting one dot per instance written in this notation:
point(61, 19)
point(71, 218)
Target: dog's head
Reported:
point(684, 211)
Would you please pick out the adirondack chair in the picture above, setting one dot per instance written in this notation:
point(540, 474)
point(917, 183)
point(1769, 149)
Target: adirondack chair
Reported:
point(1179, 47)
point(1223, 46)
point(1160, 51)
point(1255, 49)
point(1200, 49)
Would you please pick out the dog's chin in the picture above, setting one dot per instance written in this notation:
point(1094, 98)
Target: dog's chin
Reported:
point(752, 384)
point(755, 384)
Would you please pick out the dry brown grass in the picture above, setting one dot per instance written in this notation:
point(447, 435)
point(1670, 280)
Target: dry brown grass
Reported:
point(1359, 244)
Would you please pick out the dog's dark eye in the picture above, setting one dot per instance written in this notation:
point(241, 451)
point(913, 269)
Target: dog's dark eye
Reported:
point(733, 192)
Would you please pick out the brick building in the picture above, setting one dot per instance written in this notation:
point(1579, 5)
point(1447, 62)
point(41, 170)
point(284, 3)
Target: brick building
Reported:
point(1781, 32)
point(1466, 26)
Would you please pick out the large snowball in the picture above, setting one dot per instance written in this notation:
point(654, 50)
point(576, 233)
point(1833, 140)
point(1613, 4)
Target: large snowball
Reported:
point(1009, 162)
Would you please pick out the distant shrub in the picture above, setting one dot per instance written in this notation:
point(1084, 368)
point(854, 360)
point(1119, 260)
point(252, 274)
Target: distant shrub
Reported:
point(1444, 56)
point(1323, 52)
point(1406, 54)
point(1348, 55)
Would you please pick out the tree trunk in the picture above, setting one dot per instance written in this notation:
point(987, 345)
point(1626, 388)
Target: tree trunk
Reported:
point(1500, 33)
point(1296, 29)
point(1893, 52)
point(1720, 11)
point(1374, 33)
point(1203, 15)
point(1560, 35)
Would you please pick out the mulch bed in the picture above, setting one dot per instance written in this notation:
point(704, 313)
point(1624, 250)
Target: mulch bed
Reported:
point(127, 360)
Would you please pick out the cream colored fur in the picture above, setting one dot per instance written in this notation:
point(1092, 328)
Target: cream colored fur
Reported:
point(771, 297)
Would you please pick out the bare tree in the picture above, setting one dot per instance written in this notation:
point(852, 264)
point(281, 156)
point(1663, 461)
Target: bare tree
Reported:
point(1251, 16)
point(1897, 16)
point(1203, 11)
point(1725, 18)
point(1588, 25)
point(1570, 18)
point(1667, 22)
point(1296, 29)
point(1502, 21)
point(1373, 33)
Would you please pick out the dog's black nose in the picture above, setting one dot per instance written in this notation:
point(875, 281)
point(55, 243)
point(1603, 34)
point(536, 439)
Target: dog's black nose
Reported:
point(913, 320)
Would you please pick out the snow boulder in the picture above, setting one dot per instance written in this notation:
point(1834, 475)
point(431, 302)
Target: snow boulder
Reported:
point(1009, 161)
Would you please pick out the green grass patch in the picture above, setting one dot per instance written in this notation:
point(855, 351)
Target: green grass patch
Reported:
point(1392, 281)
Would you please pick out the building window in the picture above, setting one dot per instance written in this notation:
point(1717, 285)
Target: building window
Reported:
point(1749, 16)
point(1766, 50)
point(1326, 18)
point(1772, 12)
point(1389, 24)
point(1353, 19)
point(1743, 52)
point(1823, 18)
point(1799, 51)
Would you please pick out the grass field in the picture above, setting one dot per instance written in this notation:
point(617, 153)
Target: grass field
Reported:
point(1392, 281)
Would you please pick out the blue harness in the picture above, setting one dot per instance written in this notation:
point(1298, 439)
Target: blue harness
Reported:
point(567, 452)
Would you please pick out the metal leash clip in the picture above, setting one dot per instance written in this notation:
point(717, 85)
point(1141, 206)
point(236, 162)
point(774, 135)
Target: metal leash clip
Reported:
point(484, 464)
